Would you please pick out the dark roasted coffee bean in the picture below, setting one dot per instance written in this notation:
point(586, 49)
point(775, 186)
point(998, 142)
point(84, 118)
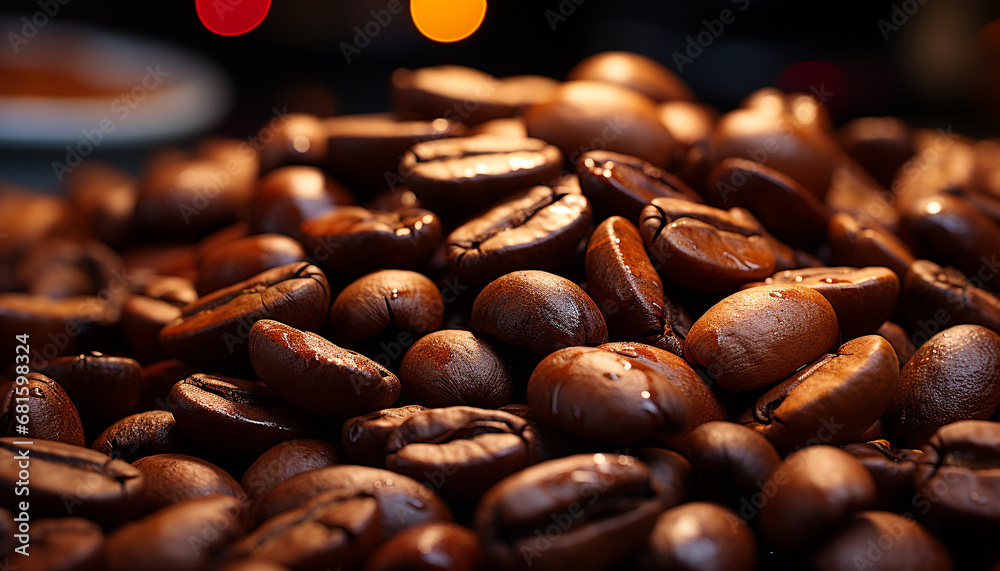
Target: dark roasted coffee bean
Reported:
point(622, 185)
point(143, 434)
point(454, 367)
point(284, 461)
point(854, 242)
point(539, 311)
point(910, 545)
point(761, 335)
point(462, 175)
point(435, 546)
point(69, 480)
point(50, 412)
point(317, 376)
point(892, 468)
point(291, 195)
point(460, 449)
point(104, 388)
point(608, 504)
point(880, 144)
point(142, 320)
point(698, 536)
point(936, 295)
point(244, 258)
point(833, 400)
point(534, 229)
point(634, 71)
point(299, 139)
point(954, 376)
point(62, 268)
point(900, 341)
point(173, 478)
point(373, 303)
point(105, 198)
point(63, 544)
point(364, 438)
point(730, 463)
point(213, 331)
point(671, 471)
point(57, 327)
point(816, 489)
point(595, 393)
point(228, 414)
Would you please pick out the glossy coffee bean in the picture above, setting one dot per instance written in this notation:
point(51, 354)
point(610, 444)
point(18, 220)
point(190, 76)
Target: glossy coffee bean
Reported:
point(633, 71)
point(698, 536)
point(833, 400)
point(62, 544)
point(892, 468)
point(385, 299)
point(284, 461)
point(761, 335)
point(958, 474)
point(459, 176)
point(730, 464)
point(595, 393)
point(670, 471)
point(299, 139)
point(172, 478)
point(317, 376)
point(403, 501)
point(954, 376)
point(856, 242)
point(290, 195)
point(539, 311)
point(577, 118)
point(50, 413)
point(885, 540)
point(690, 123)
point(143, 434)
point(699, 247)
point(622, 185)
point(244, 258)
point(454, 367)
point(435, 546)
point(534, 229)
point(814, 490)
point(567, 494)
point(364, 438)
point(623, 283)
point(104, 388)
point(70, 480)
point(213, 331)
point(166, 539)
point(935, 294)
point(235, 415)
point(461, 450)
point(333, 529)
point(351, 240)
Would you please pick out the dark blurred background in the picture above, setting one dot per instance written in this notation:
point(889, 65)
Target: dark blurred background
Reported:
point(928, 61)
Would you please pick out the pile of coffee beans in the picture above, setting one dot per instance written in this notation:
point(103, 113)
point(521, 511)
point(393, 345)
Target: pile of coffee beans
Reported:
point(514, 324)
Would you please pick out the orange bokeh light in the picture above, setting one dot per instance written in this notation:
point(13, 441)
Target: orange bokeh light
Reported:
point(447, 20)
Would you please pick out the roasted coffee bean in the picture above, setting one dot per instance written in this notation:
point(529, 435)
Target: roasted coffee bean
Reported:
point(833, 400)
point(50, 412)
point(634, 71)
point(447, 91)
point(900, 341)
point(337, 528)
point(954, 376)
point(104, 388)
point(454, 367)
point(157, 380)
point(317, 376)
point(864, 539)
point(689, 122)
point(290, 195)
point(550, 442)
point(539, 311)
point(284, 461)
point(143, 434)
point(212, 332)
point(623, 283)
point(364, 438)
point(892, 468)
point(782, 205)
point(403, 501)
point(933, 294)
point(856, 242)
point(459, 176)
point(670, 470)
point(63, 544)
point(380, 300)
point(69, 480)
point(399, 197)
point(244, 258)
point(104, 198)
point(229, 414)
point(58, 327)
point(576, 118)
point(62, 268)
point(7, 530)
point(173, 478)
point(460, 449)
point(299, 139)
point(699, 247)
point(435, 546)
point(354, 240)
point(761, 335)
point(166, 539)
point(603, 505)
point(142, 319)
point(162, 259)
point(595, 393)
point(815, 490)
point(880, 144)
point(534, 229)
point(698, 536)
point(958, 474)
point(622, 185)
point(730, 463)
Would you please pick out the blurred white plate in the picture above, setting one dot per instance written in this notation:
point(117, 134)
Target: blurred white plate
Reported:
point(137, 90)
